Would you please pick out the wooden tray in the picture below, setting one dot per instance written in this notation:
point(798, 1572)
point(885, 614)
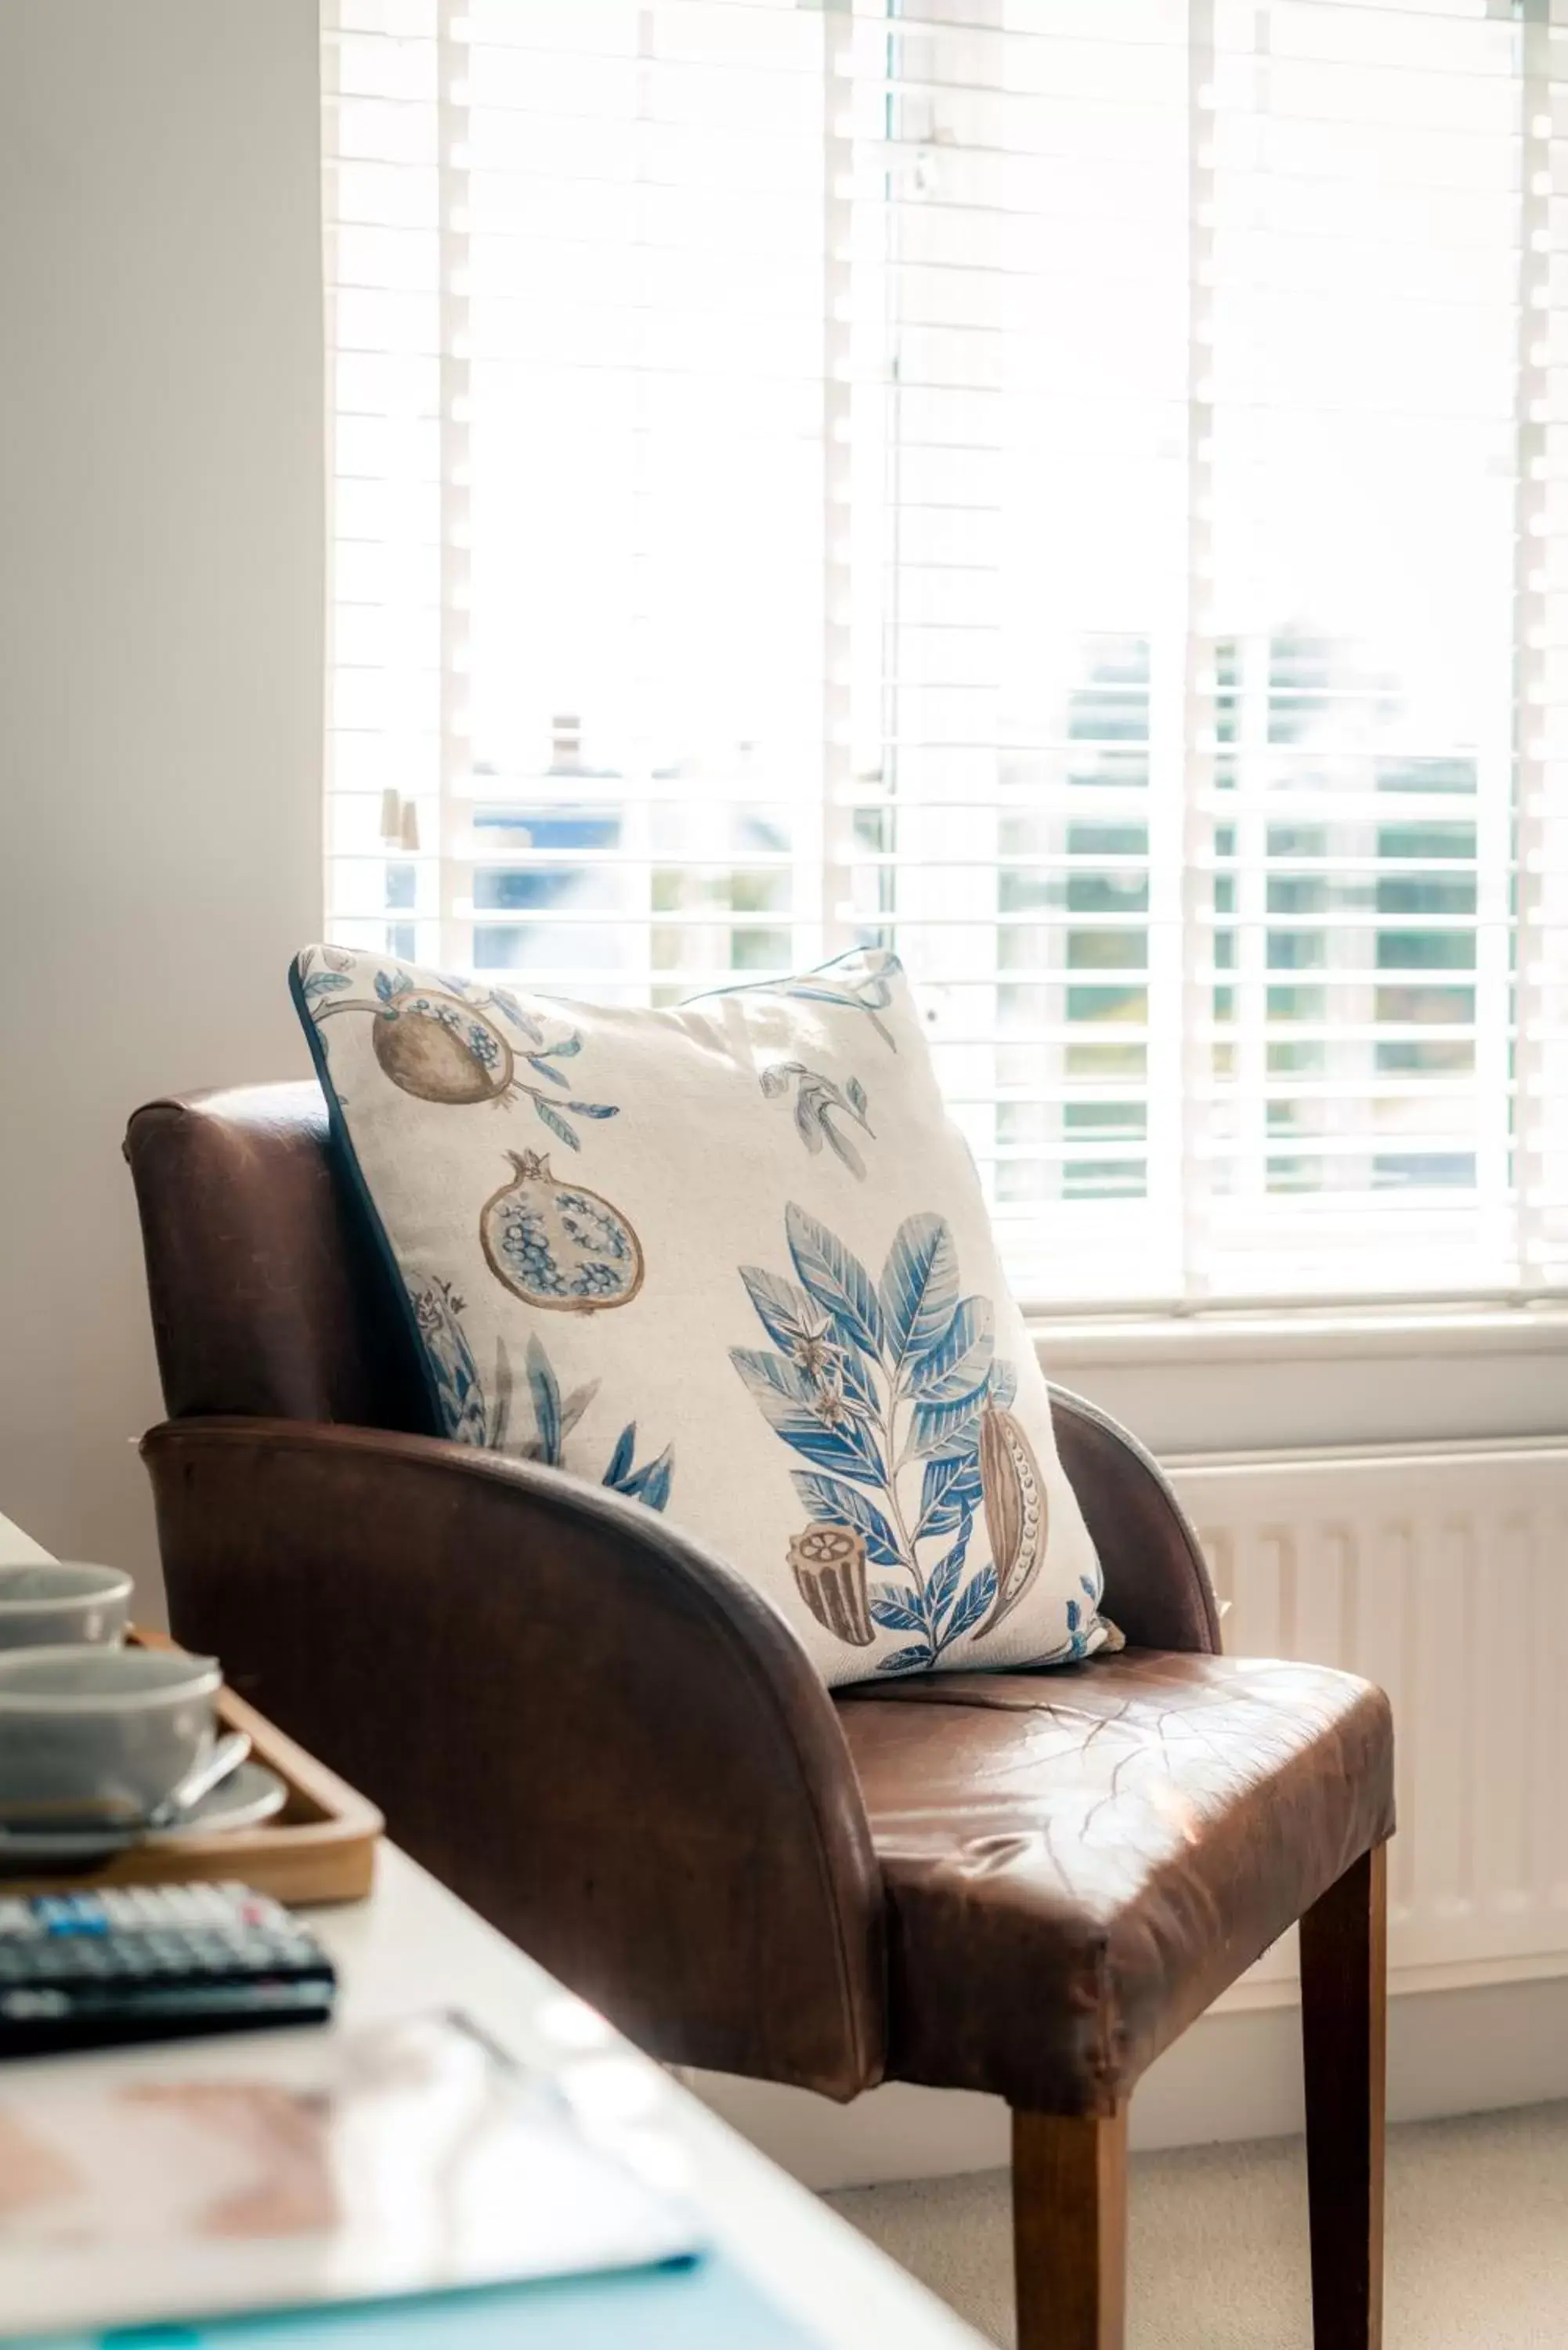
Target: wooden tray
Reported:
point(320, 1848)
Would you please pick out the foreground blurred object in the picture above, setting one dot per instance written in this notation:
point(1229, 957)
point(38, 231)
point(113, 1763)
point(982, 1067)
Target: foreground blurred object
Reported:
point(596, 1733)
point(408, 2159)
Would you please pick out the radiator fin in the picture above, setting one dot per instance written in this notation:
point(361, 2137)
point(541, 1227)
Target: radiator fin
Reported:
point(1445, 1579)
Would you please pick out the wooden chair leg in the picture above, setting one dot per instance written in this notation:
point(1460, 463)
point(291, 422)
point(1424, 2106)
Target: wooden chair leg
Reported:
point(1345, 1987)
point(1069, 2229)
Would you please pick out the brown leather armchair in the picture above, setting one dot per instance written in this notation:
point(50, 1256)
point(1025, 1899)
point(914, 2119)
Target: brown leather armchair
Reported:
point(604, 1740)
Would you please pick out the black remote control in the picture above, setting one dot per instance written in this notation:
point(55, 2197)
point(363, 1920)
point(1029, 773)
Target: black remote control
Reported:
point(153, 1962)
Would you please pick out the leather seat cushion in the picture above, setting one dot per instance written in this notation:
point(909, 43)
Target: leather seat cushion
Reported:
point(1076, 1864)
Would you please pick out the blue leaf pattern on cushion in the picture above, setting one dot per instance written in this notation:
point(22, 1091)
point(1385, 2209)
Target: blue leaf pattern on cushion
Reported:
point(973, 1601)
point(622, 1457)
point(959, 1365)
point(942, 1588)
point(523, 1021)
point(860, 980)
point(918, 1287)
point(547, 1399)
point(894, 1612)
point(950, 1492)
point(466, 1414)
point(863, 984)
point(858, 1378)
point(770, 1375)
point(470, 1417)
point(650, 1485)
point(835, 1278)
point(850, 1453)
point(832, 1503)
point(944, 1428)
point(577, 1403)
point(785, 1313)
point(872, 1382)
point(557, 1124)
point(818, 1103)
point(814, 1415)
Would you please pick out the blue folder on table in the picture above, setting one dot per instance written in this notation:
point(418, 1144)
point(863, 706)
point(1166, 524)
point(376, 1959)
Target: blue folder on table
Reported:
point(702, 2305)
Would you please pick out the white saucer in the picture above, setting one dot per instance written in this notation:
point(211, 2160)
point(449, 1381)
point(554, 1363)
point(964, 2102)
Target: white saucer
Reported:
point(243, 1800)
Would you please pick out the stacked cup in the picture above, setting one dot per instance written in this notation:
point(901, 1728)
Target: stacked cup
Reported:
point(50, 1606)
point(92, 1732)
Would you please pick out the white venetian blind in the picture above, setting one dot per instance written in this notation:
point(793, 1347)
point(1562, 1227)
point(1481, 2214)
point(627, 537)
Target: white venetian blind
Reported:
point(1076, 490)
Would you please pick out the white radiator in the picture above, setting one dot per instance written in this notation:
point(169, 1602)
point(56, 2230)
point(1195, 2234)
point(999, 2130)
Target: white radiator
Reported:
point(1442, 1573)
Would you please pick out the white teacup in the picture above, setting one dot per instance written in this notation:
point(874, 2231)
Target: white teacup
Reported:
point(50, 1606)
point(100, 1733)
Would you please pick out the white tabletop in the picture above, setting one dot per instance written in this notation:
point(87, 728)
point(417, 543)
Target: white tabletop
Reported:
point(17, 1549)
point(413, 1947)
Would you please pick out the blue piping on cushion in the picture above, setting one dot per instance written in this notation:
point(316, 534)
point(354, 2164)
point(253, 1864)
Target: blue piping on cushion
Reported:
point(342, 1142)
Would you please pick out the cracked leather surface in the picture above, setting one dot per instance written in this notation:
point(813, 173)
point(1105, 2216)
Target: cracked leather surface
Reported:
point(1077, 1863)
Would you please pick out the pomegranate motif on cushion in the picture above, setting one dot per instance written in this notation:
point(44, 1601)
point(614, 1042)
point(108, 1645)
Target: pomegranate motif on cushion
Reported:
point(448, 1043)
point(558, 1245)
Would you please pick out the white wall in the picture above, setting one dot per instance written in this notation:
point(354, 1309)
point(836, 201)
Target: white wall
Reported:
point(161, 600)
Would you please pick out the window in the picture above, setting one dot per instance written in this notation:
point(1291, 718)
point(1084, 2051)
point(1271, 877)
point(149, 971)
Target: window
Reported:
point(1073, 490)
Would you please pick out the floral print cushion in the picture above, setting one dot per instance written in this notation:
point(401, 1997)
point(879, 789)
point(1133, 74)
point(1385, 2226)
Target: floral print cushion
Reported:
point(732, 1260)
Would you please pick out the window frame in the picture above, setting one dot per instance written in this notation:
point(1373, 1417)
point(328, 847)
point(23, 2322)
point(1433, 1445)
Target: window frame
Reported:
point(1180, 1131)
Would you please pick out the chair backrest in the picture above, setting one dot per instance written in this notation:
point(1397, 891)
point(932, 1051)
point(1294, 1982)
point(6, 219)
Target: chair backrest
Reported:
point(269, 1295)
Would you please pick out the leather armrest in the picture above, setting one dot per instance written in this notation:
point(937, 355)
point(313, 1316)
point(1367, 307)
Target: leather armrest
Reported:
point(586, 1724)
point(1157, 1581)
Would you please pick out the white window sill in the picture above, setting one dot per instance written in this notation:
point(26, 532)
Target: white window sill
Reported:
point(1418, 1333)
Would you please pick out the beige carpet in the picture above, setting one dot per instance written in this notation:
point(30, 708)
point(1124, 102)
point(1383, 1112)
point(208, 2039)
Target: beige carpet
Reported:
point(1478, 2240)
